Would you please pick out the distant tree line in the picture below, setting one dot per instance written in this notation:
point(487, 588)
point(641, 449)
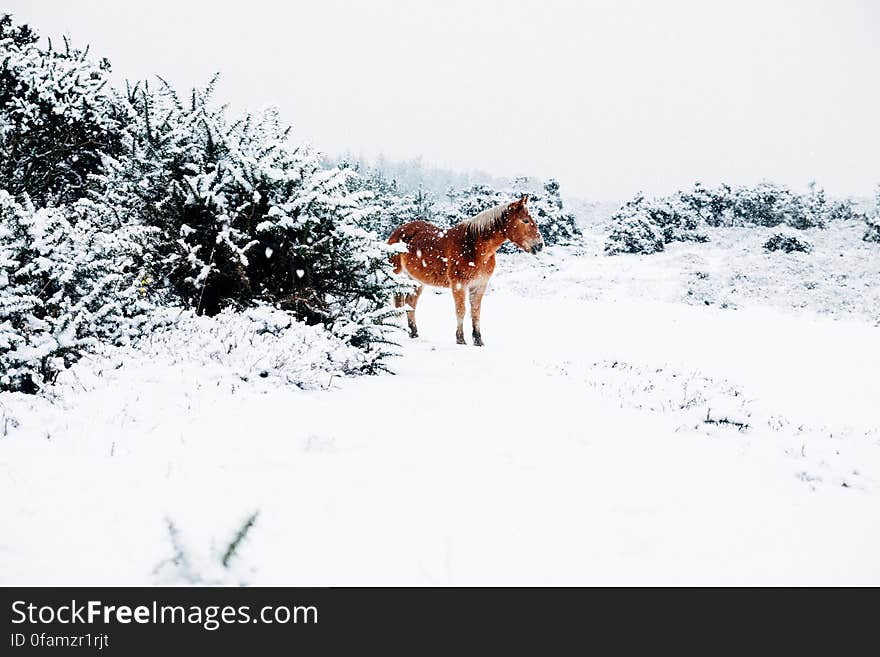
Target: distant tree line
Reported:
point(396, 204)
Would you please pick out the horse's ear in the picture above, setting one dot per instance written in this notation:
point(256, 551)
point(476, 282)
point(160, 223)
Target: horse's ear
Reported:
point(520, 202)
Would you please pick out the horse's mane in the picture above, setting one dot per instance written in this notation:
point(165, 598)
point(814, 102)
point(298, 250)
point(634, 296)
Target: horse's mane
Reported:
point(487, 221)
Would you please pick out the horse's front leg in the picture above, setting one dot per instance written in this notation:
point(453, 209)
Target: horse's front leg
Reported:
point(476, 296)
point(458, 295)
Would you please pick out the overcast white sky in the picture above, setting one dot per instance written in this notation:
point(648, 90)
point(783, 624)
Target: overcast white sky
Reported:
point(610, 97)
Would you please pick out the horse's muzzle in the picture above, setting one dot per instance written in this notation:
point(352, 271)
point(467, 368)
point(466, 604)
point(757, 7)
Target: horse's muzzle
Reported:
point(536, 248)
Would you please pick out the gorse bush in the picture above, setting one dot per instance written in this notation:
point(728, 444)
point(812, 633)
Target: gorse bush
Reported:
point(69, 279)
point(557, 226)
point(646, 226)
point(71, 271)
point(258, 343)
point(245, 215)
point(633, 230)
point(389, 206)
point(116, 202)
point(772, 205)
point(872, 229)
point(787, 244)
point(57, 118)
point(643, 226)
point(872, 222)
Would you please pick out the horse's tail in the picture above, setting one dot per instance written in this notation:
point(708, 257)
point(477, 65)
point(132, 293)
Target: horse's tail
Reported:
point(396, 260)
point(399, 235)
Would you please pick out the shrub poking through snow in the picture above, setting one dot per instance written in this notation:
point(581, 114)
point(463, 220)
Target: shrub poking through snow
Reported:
point(187, 566)
point(68, 280)
point(787, 243)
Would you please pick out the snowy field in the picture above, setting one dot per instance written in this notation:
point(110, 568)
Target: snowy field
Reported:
point(707, 415)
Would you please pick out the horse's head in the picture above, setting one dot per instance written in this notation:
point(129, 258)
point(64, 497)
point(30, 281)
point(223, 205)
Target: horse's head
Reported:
point(521, 229)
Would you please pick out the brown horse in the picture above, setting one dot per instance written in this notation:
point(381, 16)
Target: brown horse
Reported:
point(461, 258)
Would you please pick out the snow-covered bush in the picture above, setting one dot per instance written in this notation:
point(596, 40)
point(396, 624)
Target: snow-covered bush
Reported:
point(787, 243)
point(712, 206)
point(389, 207)
point(259, 342)
point(633, 230)
point(460, 204)
point(679, 217)
point(872, 229)
point(842, 210)
point(68, 280)
point(557, 226)
point(643, 226)
point(57, 117)
point(246, 215)
point(419, 198)
point(770, 205)
point(872, 223)
point(116, 200)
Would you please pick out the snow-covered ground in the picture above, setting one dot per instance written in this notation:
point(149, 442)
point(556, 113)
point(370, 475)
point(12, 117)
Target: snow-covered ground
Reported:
point(708, 415)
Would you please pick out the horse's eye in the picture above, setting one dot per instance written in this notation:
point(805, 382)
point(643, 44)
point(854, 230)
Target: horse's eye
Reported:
point(525, 221)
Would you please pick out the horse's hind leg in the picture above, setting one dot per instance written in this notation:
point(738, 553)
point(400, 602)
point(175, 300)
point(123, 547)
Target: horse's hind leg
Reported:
point(411, 301)
point(458, 295)
point(476, 297)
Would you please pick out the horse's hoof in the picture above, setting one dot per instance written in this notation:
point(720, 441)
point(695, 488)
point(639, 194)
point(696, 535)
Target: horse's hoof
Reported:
point(414, 335)
point(479, 343)
point(460, 341)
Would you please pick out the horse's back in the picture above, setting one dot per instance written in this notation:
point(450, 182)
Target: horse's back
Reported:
point(414, 230)
point(424, 258)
